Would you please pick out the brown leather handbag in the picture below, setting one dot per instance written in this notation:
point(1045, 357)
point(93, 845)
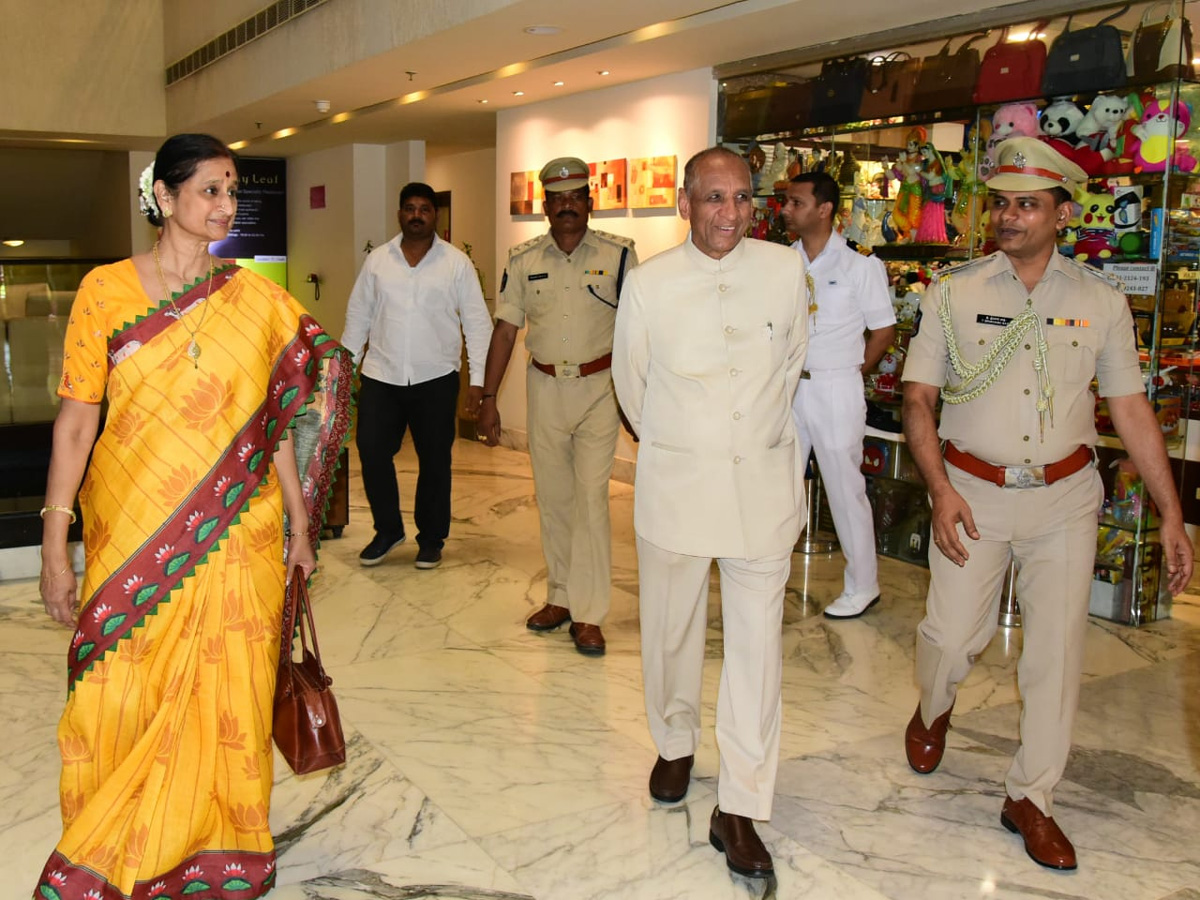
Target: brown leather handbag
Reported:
point(307, 727)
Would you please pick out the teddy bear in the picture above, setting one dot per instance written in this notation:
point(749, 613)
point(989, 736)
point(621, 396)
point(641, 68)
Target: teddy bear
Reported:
point(1058, 126)
point(1010, 120)
point(1098, 127)
point(1159, 124)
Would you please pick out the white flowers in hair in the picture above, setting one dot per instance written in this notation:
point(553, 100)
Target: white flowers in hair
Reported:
point(146, 201)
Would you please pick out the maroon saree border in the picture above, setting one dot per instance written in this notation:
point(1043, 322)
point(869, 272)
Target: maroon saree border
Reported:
point(212, 874)
point(159, 320)
point(160, 565)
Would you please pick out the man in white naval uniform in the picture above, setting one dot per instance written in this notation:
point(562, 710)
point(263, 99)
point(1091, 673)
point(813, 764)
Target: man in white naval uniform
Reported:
point(708, 349)
point(850, 297)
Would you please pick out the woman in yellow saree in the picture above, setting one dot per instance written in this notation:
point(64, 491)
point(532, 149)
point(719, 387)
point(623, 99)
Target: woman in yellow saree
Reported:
point(166, 735)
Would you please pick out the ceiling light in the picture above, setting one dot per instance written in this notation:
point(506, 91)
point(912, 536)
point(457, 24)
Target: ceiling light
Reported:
point(481, 101)
point(284, 132)
point(518, 93)
point(322, 106)
point(602, 71)
point(13, 243)
point(238, 145)
point(559, 83)
point(542, 30)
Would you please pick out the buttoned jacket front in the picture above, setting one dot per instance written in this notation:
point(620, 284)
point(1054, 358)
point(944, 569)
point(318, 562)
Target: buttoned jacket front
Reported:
point(706, 358)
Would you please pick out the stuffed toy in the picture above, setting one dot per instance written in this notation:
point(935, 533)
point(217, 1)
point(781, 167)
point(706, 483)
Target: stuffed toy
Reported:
point(1160, 123)
point(1098, 127)
point(1091, 233)
point(889, 368)
point(1010, 120)
point(1060, 119)
point(1058, 126)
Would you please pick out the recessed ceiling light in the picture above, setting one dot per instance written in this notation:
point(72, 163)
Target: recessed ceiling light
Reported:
point(481, 101)
point(542, 30)
point(238, 145)
point(518, 93)
point(559, 83)
point(602, 71)
point(13, 243)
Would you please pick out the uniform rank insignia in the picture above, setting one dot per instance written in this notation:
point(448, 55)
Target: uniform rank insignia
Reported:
point(1069, 323)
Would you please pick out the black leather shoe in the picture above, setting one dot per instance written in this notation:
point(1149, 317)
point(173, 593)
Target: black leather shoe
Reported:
point(375, 552)
point(669, 779)
point(736, 838)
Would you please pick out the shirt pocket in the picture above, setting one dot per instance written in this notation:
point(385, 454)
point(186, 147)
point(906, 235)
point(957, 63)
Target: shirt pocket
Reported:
point(600, 287)
point(1071, 354)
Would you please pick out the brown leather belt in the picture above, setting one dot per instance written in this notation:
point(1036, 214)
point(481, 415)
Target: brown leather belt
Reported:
point(583, 369)
point(1018, 476)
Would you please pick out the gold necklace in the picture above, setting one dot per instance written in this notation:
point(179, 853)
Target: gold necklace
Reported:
point(193, 348)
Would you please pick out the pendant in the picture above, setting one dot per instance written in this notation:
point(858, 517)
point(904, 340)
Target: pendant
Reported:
point(193, 351)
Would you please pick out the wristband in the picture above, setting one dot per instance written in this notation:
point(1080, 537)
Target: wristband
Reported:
point(487, 397)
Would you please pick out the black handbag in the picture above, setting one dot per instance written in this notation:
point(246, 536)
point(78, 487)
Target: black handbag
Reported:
point(837, 91)
point(890, 84)
point(1085, 60)
point(947, 80)
point(766, 110)
point(1161, 51)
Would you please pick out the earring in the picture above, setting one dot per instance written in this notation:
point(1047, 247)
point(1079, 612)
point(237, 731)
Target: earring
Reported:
point(166, 213)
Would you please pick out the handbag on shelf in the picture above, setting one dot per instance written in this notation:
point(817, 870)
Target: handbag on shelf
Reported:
point(1162, 50)
point(1011, 70)
point(837, 91)
point(1085, 60)
point(889, 86)
point(307, 727)
point(947, 80)
point(768, 109)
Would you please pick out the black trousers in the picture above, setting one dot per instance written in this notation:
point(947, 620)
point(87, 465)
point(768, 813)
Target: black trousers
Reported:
point(428, 410)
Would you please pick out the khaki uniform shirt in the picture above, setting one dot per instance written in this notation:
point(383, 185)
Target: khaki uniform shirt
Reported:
point(1089, 334)
point(569, 302)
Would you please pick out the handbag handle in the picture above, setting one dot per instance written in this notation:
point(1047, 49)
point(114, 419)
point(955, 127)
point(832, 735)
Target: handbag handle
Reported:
point(968, 42)
point(1120, 12)
point(1172, 6)
point(297, 596)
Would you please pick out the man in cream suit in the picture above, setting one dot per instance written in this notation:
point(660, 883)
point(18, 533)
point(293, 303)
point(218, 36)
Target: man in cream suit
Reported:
point(708, 350)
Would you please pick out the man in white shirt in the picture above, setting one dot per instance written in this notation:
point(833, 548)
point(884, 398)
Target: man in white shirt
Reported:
point(850, 296)
point(414, 299)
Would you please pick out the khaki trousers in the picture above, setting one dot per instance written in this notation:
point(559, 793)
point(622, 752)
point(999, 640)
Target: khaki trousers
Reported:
point(1051, 532)
point(573, 425)
point(674, 614)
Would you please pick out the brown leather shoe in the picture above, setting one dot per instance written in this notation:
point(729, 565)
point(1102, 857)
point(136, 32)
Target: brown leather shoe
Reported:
point(588, 639)
point(924, 746)
point(548, 618)
point(1044, 841)
point(736, 838)
point(669, 779)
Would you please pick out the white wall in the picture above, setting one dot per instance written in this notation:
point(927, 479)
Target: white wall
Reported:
point(360, 205)
point(673, 115)
point(470, 179)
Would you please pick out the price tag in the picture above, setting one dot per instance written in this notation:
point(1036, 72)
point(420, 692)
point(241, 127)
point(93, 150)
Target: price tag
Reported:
point(1138, 278)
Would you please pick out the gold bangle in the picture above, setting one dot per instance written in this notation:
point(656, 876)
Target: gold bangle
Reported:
point(64, 571)
point(292, 534)
point(54, 507)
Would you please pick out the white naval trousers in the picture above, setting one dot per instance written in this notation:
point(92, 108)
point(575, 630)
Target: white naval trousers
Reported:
point(831, 419)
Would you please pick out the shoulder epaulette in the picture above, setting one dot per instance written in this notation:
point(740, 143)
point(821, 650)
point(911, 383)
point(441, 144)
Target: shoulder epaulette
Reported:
point(1111, 280)
point(525, 246)
point(960, 267)
point(614, 238)
point(858, 248)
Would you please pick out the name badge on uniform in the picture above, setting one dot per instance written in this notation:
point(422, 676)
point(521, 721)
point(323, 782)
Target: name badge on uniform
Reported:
point(539, 276)
point(985, 319)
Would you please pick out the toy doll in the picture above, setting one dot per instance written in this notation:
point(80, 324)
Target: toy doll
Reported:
point(967, 215)
point(906, 212)
point(935, 188)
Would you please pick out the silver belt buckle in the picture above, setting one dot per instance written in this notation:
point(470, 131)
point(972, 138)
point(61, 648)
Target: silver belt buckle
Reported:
point(1024, 476)
point(566, 371)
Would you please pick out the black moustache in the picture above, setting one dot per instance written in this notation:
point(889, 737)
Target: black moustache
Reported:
point(567, 212)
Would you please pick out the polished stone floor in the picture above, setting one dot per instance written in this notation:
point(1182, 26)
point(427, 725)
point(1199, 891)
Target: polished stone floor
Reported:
point(486, 761)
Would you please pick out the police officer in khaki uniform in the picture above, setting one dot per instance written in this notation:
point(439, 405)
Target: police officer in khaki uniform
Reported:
point(1011, 343)
point(564, 285)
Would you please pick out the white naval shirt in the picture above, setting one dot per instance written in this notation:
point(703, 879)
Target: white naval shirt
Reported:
point(851, 295)
point(415, 316)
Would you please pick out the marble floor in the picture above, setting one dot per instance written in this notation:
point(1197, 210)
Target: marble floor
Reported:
point(486, 761)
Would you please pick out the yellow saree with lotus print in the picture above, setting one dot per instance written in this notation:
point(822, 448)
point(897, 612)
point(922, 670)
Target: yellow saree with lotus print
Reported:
point(166, 735)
